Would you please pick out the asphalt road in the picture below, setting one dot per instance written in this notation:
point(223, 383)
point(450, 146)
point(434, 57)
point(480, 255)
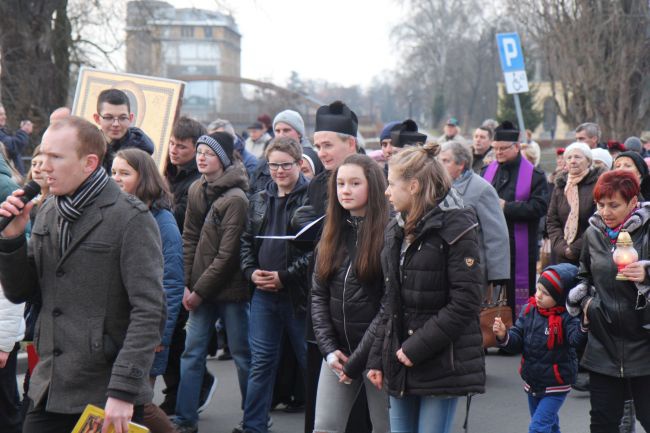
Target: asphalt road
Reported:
point(502, 409)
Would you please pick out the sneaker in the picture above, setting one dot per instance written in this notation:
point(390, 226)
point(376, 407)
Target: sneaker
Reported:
point(185, 428)
point(240, 426)
point(224, 355)
point(207, 391)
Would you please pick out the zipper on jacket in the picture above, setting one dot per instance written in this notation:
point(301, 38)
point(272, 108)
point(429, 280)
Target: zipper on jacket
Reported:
point(345, 327)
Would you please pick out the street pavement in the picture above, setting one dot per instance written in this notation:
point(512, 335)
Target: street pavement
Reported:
point(502, 409)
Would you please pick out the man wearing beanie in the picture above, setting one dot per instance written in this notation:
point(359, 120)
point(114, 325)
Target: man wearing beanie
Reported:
point(217, 208)
point(287, 123)
point(387, 148)
point(523, 195)
point(547, 336)
point(334, 140)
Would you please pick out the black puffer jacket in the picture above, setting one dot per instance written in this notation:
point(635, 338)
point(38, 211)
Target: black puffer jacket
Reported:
point(617, 345)
point(432, 306)
point(343, 308)
point(294, 278)
point(180, 179)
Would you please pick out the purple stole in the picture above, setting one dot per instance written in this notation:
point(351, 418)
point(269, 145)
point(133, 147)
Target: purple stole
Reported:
point(522, 193)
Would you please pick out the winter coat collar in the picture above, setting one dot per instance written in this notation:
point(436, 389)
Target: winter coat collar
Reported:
point(233, 177)
point(302, 184)
point(638, 219)
point(435, 219)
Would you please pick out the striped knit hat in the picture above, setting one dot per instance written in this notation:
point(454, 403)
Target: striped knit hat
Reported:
point(222, 144)
point(558, 280)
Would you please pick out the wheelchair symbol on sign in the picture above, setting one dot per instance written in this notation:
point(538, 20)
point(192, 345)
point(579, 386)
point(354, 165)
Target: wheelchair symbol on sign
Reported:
point(516, 84)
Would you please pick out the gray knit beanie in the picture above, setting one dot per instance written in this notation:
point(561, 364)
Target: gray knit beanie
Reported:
point(291, 118)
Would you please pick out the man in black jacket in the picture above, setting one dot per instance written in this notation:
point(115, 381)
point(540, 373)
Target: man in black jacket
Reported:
point(114, 118)
point(523, 196)
point(181, 172)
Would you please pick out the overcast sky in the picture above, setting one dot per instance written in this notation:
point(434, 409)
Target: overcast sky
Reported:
point(342, 41)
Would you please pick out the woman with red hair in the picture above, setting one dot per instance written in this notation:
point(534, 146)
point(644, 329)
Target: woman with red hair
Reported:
point(617, 312)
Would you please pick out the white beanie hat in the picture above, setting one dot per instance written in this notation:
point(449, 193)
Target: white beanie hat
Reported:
point(603, 156)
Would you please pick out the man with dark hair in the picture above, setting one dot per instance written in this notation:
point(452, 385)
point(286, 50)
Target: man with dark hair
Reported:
point(181, 172)
point(481, 146)
point(94, 260)
point(14, 144)
point(181, 169)
point(114, 118)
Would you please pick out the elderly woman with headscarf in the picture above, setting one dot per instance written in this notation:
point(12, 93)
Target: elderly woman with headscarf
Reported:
point(572, 204)
point(633, 162)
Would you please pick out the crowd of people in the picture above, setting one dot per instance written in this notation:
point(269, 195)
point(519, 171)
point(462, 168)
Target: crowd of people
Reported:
point(364, 274)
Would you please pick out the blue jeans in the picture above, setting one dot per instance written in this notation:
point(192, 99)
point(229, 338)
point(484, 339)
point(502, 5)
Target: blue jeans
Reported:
point(271, 314)
point(418, 414)
point(543, 412)
point(199, 327)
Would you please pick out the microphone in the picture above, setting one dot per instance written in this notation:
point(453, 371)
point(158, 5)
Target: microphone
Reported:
point(32, 189)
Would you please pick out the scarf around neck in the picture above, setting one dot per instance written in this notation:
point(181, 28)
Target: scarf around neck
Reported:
point(553, 314)
point(573, 198)
point(70, 207)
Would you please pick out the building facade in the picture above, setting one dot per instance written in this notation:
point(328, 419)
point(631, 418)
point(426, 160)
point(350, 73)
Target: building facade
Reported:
point(182, 43)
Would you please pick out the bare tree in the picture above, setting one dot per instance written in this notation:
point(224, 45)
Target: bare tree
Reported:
point(448, 59)
point(34, 42)
point(597, 57)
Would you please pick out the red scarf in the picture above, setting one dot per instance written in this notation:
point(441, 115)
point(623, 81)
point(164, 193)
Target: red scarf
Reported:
point(554, 321)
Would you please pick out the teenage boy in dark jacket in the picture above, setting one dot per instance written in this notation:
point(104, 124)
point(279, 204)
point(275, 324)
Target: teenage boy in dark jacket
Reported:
point(277, 271)
point(114, 118)
point(547, 336)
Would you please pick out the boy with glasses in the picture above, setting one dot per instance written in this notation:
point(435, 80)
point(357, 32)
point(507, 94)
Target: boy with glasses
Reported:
point(114, 118)
point(277, 270)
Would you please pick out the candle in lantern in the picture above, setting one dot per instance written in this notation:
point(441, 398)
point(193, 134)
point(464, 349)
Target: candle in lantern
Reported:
point(624, 254)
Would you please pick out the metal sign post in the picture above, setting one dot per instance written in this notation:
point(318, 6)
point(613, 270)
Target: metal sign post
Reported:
point(514, 70)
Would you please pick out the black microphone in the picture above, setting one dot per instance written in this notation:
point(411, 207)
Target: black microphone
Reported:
point(32, 189)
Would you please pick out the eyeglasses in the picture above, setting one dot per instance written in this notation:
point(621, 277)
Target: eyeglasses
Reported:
point(274, 166)
point(206, 154)
point(502, 148)
point(111, 119)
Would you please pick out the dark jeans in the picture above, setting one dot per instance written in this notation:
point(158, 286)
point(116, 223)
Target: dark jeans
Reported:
point(608, 395)
point(41, 421)
point(10, 413)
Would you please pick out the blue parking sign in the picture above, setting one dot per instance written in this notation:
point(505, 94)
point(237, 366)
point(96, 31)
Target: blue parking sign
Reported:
point(512, 58)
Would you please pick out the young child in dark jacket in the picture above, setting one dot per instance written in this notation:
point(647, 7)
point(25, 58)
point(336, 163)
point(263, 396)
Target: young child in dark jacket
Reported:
point(547, 337)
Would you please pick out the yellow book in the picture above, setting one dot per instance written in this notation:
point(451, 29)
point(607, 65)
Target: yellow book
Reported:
point(92, 419)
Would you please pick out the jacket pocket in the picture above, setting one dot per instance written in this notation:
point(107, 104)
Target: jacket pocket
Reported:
point(432, 369)
point(96, 339)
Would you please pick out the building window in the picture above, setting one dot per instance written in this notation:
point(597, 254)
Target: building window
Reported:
point(187, 32)
point(207, 32)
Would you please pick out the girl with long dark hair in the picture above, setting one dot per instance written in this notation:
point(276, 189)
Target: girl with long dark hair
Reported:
point(346, 292)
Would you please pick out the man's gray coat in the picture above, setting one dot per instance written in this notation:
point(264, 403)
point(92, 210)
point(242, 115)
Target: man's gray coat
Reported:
point(493, 230)
point(102, 302)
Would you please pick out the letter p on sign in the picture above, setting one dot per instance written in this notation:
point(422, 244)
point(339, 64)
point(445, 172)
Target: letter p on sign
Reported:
point(512, 58)
point(510, 50)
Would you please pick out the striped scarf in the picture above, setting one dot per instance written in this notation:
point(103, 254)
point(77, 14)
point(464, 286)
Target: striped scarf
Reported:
point(71, 207)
